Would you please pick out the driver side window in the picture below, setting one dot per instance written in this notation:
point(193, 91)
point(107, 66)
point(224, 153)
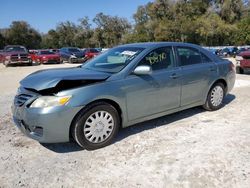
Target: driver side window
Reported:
point(158, 59)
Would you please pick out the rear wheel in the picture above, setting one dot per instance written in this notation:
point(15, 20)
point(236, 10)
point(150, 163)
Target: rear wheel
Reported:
point(70, 61)
point(215, 97)
point(96, 126)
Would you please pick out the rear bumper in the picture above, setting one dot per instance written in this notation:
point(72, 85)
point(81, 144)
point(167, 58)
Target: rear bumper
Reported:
point(48, 125)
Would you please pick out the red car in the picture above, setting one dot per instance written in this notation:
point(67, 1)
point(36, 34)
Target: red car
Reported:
point(14, 55)
point(90, 53)
point(243, 62)
point(46, 56)
point(1, 56)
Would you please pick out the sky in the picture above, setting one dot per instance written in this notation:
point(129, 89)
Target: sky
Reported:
point(44, 15)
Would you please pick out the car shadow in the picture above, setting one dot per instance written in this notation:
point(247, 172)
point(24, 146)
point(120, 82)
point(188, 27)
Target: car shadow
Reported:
point(68, 147)
point(23, 65)
point(138, 128)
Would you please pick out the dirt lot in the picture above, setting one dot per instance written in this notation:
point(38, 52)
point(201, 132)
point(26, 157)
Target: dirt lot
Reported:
point(193, 148)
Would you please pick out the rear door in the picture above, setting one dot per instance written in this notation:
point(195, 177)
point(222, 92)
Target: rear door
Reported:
point(157, 92)
point(198, 71)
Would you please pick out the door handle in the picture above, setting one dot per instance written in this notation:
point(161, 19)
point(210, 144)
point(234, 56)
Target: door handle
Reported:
point(174, 76)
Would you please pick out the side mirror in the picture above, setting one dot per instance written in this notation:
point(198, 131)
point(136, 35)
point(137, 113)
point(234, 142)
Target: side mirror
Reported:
point(143, 70)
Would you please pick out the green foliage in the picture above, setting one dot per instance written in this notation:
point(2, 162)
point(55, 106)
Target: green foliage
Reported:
point(243, 34)
point(206, 22)
point(21, 33)
point(2, 41)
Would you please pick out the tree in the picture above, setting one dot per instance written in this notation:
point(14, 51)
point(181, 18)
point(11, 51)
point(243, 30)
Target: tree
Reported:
point(243, 35)
point(21, 33)
point(50, 40)
point(111, 28)
point(66, 32)
point(84, 33)
point(2, 41)
point(230, 10)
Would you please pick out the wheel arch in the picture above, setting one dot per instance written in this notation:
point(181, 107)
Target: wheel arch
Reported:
point(109, 101)
point(223, 81)
point(220, 80)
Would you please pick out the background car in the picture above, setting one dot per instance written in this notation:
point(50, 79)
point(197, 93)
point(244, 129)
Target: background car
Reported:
point(243, 62)
point(46, 56)
point(72, 55)
point(241, 50)
point(1, 56)
point(90, 53)
point(16, 54)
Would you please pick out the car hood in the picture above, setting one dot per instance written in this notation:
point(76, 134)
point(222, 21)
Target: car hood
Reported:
point(16, 53)
point(50, 78)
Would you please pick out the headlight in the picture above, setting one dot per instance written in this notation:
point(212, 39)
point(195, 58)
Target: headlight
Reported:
point(72, 56)
point(44, 57)
point(49, 101)
point(238, 58)
point(7, 57)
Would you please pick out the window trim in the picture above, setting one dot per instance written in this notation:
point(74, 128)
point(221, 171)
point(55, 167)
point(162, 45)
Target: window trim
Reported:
point(211, 61)
point(160, 70)
point(178, 58)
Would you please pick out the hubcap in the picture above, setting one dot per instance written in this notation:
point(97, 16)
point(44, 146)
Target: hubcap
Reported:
point(98, 127)
point(217, 96)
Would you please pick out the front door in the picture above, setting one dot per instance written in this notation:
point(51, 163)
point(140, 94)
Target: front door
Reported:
point(157, 92)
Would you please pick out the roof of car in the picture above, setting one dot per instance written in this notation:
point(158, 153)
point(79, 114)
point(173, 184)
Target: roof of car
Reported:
point(245, 53)
point(156, 44)
point(10, 46)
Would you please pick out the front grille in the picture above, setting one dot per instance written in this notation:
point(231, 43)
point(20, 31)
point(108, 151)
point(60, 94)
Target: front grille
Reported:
point(19, 57)
point(21, 99)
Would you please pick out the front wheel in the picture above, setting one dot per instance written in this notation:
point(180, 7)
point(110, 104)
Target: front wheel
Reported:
point(6, 63)
point(215, 97)
point(96, 126)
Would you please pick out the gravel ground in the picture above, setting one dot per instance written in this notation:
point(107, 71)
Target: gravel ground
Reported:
point(192, 148)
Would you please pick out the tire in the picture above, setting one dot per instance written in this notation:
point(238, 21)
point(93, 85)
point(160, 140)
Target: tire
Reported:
point(61, 61)
point(215, 97)
point(6, 64)
point(70, 61)
point(239, 70)
point(91, 135)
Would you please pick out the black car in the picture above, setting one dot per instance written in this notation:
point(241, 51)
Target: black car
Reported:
point(72, 55)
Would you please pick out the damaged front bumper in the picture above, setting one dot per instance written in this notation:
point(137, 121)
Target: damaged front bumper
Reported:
point(46, 125)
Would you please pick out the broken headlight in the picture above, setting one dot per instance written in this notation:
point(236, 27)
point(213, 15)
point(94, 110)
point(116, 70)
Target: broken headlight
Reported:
point(50, 101)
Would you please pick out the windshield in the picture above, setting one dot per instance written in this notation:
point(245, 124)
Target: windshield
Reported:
point(113, 60)
point(47, 52)
point(74, 50)
point(15, 49)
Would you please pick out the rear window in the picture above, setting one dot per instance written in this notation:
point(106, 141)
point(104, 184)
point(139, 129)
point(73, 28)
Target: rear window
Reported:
point(74, 50)
point(188, 56)
point(46, 52)
point(93, 51)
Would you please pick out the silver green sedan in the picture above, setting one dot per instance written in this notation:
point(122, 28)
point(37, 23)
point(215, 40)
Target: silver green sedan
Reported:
point(125, 85)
